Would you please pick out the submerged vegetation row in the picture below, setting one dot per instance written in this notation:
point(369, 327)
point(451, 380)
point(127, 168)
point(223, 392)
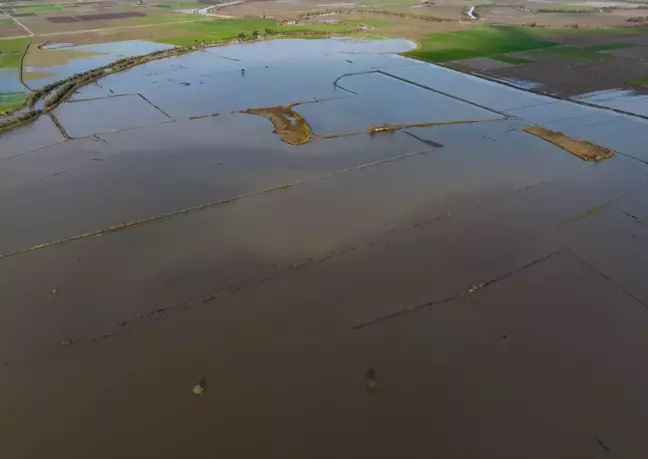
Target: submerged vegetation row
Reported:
point(60, 91)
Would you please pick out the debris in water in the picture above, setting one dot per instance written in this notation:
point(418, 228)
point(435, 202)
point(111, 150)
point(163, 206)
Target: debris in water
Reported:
point(592, 211)
point(603, 445)
point(371, 379)
point(374, 129)
point(585, 150)
point(54, 291)
point(199, 388)
point(473, 288)
point(67, 342)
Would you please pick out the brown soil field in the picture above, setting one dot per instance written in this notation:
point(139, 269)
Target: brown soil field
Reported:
point(637, 40)
point(270, 8)
point(11, 30)
point(109, 17)
point(559, 79)
point(444, 9)
point(95, 17)
point(639, 53)
point(105, 16)
point(513, 16)
point(625, 69)
point(402, 27)
point(63, 19)
point(40, 58)
point(115, 34)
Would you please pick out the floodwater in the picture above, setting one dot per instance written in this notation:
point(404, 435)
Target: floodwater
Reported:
point(627, 100)
point(10, 81)
point(47, 46)
point(487, 277)
point(77, 59)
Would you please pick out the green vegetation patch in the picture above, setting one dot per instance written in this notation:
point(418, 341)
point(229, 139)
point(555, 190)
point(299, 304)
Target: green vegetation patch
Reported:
point(14, 45)
point(609, 46)
point(511, 59)
point(11, 100)
point(10, 61)
point(7, 21)
point(641, 81)
point(40, 7)
point(566, 54)
point(484, 41)
point(11, 52)
point(227, 29)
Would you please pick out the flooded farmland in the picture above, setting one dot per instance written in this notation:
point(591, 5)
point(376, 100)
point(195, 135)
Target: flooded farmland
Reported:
point(56, 61)
point(490, 281)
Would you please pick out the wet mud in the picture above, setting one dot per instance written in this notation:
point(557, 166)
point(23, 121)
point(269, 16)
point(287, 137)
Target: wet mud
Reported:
point(289, 125)
point(586, 151)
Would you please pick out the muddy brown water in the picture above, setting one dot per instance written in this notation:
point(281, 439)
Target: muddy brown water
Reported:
point(492, 281)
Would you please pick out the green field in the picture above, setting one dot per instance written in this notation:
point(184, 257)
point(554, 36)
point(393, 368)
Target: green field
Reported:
point(40, 7)
point(566, 54)
point(7, 21)
point(226, 29)
point(478, 42)
point(11, 100)
point(11, 52)
point(12, 45)
point(642, 81)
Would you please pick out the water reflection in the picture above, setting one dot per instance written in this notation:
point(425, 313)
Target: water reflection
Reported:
point(77, 59)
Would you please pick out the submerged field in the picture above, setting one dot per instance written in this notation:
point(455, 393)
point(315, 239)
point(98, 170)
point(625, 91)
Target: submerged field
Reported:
point(398, 249)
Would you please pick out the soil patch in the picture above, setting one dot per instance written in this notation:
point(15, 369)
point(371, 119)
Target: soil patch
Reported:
point(484, 63)
point(104, 16)
point(560, 78)
point(617, 69)
point(567, 54)
point(585, 150)
point(11, 30)
point(641, 40)
point(289, 125)
point(639, 53)
point(47, 58)
point(62, 19)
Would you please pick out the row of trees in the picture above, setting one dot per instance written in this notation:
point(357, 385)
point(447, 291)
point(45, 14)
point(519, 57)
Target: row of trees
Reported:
point(58, 91)
point(25, 116)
